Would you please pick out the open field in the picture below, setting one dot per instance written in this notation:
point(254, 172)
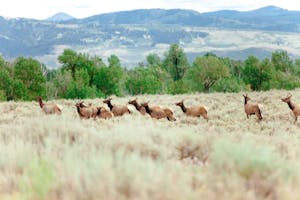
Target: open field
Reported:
point(136, 157)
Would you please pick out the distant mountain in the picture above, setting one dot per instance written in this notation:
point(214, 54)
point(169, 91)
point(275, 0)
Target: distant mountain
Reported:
point(133, 34)
point(146, 16)
point(266, 18)
point(60, 17)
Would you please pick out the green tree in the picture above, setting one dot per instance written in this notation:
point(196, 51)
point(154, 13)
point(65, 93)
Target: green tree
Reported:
point(230, 84)
point(114, 61)
point(153, 60)
point(235, 67)
point(73, 61)
point(79, 87)
point(205, 72)
point(142, 80)
point(59, 83)
point(108, 80)
point(29, 72)
point(175, 62)
point(68, 59)
point(282, 62)
point(5, 81)
point(257, 74)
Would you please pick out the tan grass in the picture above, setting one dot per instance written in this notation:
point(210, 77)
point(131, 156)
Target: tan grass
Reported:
point(136, 157)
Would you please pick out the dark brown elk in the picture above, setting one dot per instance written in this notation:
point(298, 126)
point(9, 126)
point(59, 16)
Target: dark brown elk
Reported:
point(294, 107)
point(49, 108)
point(158, 112)
point(86, 111)
point(103, 113)
point(193, 111)
point(117, 110)
point(252, 109)
point(137, 106)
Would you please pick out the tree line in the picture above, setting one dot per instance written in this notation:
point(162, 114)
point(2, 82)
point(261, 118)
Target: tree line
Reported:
point(83, 76)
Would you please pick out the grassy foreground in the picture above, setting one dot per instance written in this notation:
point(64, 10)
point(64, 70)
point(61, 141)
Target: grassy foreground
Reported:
point(136, 157)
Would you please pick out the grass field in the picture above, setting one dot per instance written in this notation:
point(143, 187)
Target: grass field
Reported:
point(136, 157)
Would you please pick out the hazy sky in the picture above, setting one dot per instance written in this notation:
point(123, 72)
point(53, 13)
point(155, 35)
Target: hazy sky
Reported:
point(41, 9)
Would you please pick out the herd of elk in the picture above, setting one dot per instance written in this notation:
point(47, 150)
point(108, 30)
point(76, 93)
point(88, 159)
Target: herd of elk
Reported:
point(156, 112)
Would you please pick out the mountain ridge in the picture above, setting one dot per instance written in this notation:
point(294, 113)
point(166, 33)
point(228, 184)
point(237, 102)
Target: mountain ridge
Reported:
point(142, 31)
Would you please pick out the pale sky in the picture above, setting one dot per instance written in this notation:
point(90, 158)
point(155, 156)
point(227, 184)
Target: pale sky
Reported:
point(41, 9)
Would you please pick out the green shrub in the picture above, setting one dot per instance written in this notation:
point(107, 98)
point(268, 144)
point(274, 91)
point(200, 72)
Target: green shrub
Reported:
point(177, 87)
point(231, 84)
point(143, 81)
point(38, 179)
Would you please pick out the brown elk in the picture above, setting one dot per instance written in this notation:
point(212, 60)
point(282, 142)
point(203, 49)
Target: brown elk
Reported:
point(137, 106)
point(103, 113)
point(252, 109)
point(294, 107)
point(86, 111)
point(158, 112)
point(49, 108)
point(193, 111)
point(117, 110)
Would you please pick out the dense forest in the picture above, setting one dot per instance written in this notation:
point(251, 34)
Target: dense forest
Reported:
point(83, 76)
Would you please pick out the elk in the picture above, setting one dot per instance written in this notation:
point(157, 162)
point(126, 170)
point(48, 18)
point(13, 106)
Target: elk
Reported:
point(252, 109)
point(86, 111)
point(117, 110)
point(158, 112)
point(103, 113)
point(193, 111)
point(138, 107)
point(294, 107)
point(49, 108)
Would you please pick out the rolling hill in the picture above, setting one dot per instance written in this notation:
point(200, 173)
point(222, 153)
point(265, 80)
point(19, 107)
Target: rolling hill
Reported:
point(132, 35)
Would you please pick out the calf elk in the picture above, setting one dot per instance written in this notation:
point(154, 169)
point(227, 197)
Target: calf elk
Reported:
point(294, 107)
point(252, 109)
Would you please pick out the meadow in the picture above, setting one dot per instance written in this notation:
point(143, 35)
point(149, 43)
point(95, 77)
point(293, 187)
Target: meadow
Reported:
point(136, 157)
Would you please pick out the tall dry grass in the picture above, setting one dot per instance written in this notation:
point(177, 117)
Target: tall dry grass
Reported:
point(136, 157)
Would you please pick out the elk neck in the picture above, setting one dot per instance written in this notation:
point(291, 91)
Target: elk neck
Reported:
point(41, 103)
point(183, 108)
point(110, 105)
point(291, 105)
